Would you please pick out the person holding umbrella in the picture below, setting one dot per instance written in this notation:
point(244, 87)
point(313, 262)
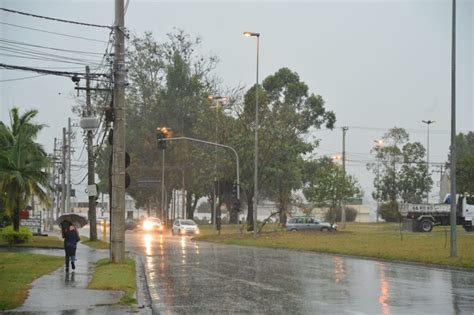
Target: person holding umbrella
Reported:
point(69, 222)
point(71, 237)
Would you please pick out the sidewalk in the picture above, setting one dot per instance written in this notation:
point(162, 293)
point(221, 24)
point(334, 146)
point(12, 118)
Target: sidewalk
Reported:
point(66, 293)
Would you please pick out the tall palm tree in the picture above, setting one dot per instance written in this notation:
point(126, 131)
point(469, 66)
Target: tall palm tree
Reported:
point(22, 163)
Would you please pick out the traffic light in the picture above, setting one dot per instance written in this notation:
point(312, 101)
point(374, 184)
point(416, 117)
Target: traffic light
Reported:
point(234, 190)
point(236, 205)
point(162, 134)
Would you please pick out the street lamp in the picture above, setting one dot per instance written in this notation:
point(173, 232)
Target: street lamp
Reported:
point(378, 143)
point(428, 123)
point(216, 192)
point(255, 184)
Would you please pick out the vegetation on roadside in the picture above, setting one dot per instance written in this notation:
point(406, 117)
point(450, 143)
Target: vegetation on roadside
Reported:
point(119, 277)
point(23, 164)
point(17, 271)
point(23, 235)
point(37, 242)
point(94, 244)
point(374, 240)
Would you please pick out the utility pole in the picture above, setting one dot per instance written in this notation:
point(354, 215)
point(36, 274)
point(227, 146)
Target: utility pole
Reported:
point(343, 210)
point(90, 165)
point(117, 241)
point(53, 184)
point(63, 173)
point(68, 188)
point(453, 136)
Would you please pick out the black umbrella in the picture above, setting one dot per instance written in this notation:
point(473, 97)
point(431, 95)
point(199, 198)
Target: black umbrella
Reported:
point(73, 218)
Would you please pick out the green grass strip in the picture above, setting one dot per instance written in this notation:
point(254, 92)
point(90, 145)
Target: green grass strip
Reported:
point(382, 240)
point(38, 242)
point(94, 244)
point(18, 270)
point(117, 277)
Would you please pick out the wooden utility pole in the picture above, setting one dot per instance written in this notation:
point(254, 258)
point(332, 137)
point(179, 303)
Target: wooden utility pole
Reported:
point(90, 164)
point(117, 241)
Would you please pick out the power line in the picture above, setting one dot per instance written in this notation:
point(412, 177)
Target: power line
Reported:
point(55, 19)
point(23, 78)
point(43, 71)
point(47, 56)
point(13, 42)
point(55, 33)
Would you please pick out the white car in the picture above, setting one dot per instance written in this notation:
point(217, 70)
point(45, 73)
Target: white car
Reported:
point(182, 227)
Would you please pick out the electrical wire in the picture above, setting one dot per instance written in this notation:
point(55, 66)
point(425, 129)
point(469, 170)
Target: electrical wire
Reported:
point(23, 78)
point(55, 19)
point(17, 43)
point(47, 56)
point(55, 33)
point(44, 71)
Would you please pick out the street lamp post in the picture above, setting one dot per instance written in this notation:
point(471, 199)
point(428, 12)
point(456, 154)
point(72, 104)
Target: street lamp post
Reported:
point(216, 184)
point(255, 184)
point(428, 123)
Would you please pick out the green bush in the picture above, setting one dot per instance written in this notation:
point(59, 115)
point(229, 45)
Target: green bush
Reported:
point(351, 214)
point(12, 237)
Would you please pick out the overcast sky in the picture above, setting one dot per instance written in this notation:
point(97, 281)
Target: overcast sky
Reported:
point(377, 64)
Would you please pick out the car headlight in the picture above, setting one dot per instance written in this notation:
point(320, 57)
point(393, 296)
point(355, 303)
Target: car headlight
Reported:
point(197, 231)
point(183, 232)
point(147, 225)
point(334, 226)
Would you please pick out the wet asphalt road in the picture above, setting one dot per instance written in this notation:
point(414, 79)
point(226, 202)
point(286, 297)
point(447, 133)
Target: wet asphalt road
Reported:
point(187, 277)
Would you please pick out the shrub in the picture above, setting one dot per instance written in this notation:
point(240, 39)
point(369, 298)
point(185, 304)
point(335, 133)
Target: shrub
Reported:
point(389, 211)
point(336, 214)
point(12, 237)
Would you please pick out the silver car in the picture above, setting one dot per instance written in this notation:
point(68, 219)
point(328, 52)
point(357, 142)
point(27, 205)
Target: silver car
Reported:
point(182, 227)
point(309, 224)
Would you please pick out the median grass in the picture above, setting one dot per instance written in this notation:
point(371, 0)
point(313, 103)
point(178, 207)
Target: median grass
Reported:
point(17, 271)
point(375, 240)
point(117, 277)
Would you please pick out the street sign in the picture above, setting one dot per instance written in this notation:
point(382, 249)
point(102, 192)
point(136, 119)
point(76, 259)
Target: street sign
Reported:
point(33, 223)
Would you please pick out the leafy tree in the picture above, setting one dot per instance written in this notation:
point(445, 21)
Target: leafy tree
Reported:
point(465, 162)
point(400, 172)
point(169, 87)
point(22, 163)
point(327, 185)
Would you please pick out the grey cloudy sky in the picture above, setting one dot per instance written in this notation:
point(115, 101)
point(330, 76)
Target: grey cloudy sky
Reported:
point(377, 64)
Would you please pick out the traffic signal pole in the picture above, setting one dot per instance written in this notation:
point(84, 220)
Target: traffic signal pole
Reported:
point(222, 146)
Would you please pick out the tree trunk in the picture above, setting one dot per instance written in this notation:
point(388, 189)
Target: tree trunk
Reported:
point(233, 215)
point(191, 203)
point(249, 195)
point(16, 217)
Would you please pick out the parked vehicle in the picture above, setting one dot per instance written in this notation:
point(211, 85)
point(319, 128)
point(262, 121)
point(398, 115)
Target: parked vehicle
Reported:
point(309, 224)
point(151, 224)
point(130, 224)
point(182, 227)
point(422, 217)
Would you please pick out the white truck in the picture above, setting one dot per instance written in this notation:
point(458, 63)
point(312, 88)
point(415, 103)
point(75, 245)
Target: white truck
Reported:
point(422, 217)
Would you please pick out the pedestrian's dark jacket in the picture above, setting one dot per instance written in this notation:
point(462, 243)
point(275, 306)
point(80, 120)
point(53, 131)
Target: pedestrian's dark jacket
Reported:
point(71, 238)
